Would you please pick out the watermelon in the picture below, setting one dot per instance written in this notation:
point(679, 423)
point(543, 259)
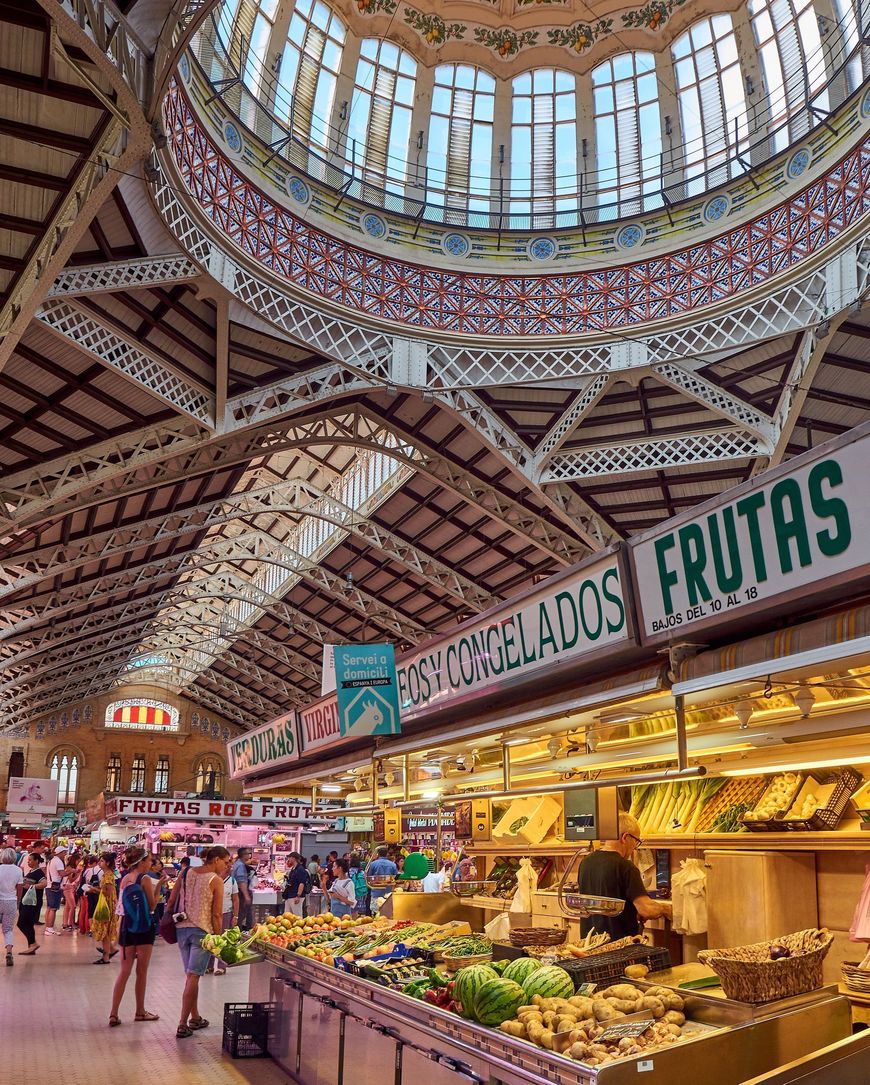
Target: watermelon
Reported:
point(550, 981)
point(497, 1001)
point(520, 969)
point(468, 982)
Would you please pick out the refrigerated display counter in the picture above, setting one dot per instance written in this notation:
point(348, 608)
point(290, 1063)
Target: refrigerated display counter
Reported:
point(331, 1028)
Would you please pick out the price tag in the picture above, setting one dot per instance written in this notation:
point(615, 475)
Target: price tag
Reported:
point(645, 1066)
point(586, 989)
point(632, 1026)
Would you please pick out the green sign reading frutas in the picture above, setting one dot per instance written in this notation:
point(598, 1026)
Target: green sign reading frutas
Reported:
point(274, 742)
point(790, 531)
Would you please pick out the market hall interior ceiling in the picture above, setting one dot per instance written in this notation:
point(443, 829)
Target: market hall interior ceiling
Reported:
point(347, 322)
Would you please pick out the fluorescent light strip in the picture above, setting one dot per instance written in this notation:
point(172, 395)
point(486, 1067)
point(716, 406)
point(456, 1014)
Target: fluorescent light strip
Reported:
point(826, 763)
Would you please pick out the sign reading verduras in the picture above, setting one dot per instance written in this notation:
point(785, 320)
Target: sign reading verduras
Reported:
point(365, 682)
point(571, 617)
point(273, 743)
point(135, 807)
point(796, 530)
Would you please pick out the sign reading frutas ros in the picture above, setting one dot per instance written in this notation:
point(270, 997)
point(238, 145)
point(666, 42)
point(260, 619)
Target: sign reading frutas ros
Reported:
point(803, 525)
point(274, 742)
point(365, 682)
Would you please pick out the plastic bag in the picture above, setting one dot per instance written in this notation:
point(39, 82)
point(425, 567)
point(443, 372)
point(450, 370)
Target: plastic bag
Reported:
point(527, 883)
point(689, 895)
point(101, 912)
point(498, 929)
point(30, 897)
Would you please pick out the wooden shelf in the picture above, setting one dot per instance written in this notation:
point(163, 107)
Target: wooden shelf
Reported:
point(847, 840)
point(493, 904)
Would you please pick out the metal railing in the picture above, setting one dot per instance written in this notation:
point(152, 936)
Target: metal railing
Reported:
point(410, 189)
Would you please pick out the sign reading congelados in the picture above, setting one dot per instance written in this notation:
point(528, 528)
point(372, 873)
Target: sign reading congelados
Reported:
point(805, 524)
point(273, 743)
point(572, 616)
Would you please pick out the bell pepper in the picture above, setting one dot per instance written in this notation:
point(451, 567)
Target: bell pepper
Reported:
point(438, 979)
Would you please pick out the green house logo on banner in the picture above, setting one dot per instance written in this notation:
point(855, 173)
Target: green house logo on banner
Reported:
point(368, 697)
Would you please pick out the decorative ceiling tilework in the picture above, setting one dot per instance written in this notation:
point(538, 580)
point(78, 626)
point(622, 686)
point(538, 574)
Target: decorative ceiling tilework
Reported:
point(398, 291)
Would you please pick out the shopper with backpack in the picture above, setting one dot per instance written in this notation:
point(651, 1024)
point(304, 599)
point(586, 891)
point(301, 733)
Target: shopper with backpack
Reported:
point(361, 889)
point(138, 899)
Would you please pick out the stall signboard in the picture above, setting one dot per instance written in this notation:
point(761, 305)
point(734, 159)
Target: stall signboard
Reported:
point(426, 819)
point(28, 795)
point(136, 807)
point(327, 670)
point(793, 532)
point(573, 616)
point(275, 743)
point(366, 691)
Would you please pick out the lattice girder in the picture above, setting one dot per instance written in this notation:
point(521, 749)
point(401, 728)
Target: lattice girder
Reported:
point(112, 348)
point(716, 399)
point(145, 271)
point(652, 454)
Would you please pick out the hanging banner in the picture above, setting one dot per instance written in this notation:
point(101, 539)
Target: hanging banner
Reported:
point(327, 673)
point(272, 744)
point(28, 795)
point(793, 532)
point(366, 690)
point(247, 811)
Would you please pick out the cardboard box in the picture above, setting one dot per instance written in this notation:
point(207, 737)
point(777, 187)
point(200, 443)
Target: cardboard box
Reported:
point(537, 816)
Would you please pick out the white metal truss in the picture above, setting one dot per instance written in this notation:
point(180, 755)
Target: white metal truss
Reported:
point(184, 19)
point(652, 454)
point(54, 486)
point(145, 271)
point(112, 348)
point(716, 399)
point(594, 388)
point(110, 33)
point(278, 400)
point(82, 481)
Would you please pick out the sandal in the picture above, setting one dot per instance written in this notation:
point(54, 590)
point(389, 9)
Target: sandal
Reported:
point(114, 1021)
point(101, 960)
point(197, 1023)
point(146, 1016)
point(183, 1033)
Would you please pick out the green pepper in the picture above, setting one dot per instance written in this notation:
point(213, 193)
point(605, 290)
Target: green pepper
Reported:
point(437, 979)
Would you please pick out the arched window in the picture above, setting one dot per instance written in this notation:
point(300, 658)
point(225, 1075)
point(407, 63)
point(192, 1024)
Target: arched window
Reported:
point(628, 132)
point(16, 764)
point(790, 46)
point(113, 773)
point(459, 155)
point(137, 775)
point(379, 128)
point(161, 774)
point(309, 70)
point(65, 769)
point(848, 14)
point(255, 73)
point(209, 773)
point(712, 101)
point(543, 142)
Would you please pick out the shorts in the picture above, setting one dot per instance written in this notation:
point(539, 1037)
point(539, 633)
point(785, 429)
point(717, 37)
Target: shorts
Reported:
point(53, 898)
point(195, 959)
point(136, 938)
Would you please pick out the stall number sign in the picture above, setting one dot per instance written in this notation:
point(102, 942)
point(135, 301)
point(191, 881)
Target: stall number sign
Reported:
point(805, 526)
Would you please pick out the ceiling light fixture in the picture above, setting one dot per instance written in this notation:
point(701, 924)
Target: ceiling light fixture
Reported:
point(620, 715)
point(804, 699)
point(743, 710)
point(431, 794)
point(331, 789)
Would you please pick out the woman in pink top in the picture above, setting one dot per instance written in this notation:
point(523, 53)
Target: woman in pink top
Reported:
point(199, 895)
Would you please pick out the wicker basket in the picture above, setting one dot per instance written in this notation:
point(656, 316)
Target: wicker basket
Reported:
point(749, 975)
point(453, 964)
point(537, 936)
point(855, 978)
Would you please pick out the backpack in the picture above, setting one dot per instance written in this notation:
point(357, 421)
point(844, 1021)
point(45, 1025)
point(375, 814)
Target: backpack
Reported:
point(137, 913)
point(360, 887)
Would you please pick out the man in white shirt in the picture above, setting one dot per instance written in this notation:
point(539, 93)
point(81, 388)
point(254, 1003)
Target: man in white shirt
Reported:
point(53, 891)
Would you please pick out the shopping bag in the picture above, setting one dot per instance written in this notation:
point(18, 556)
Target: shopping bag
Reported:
point(527, 883)
point(30, 897)
point(101, 912)
point(499, 929)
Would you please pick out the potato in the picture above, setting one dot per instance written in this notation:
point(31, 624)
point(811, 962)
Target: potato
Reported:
point(637, 971)
point(604, 1011)
point(673, 1017)
point(623, 991)
point(582, 1004)
point(514, 1028)
point(650, 1002)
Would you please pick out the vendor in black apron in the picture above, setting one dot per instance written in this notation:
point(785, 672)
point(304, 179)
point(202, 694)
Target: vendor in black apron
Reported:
point(609, 872)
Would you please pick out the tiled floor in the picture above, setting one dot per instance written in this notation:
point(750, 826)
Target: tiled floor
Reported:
point(56, 1004)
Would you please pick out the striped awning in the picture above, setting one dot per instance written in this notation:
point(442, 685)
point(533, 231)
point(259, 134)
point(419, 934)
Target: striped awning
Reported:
point(833, 639)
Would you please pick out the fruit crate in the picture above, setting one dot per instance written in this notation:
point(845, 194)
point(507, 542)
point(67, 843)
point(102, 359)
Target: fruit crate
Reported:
point(609, 967)
point(246, 1029)
point(773, 824)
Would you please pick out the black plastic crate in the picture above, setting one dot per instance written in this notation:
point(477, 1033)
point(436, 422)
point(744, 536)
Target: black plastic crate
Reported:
point(603, 968)
point(246, 1029)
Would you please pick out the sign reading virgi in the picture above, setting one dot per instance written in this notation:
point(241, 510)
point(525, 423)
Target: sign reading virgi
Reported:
point(789, 531)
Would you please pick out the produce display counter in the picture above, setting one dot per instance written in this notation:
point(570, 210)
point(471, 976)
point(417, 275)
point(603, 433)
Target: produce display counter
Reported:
point(332, 1028)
